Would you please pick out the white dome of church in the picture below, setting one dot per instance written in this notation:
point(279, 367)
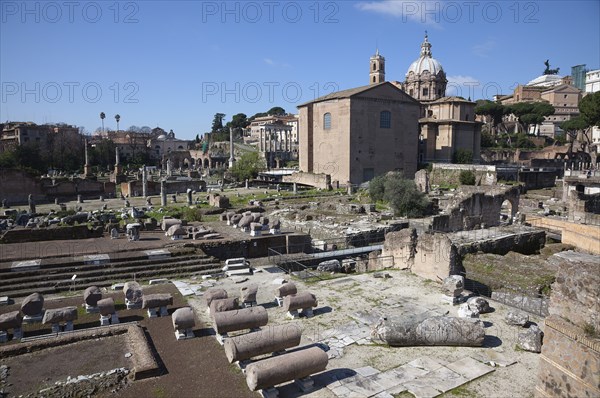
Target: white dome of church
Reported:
point(425, 62)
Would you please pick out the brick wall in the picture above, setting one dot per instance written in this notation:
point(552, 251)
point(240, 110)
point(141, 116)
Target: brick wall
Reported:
point(570, 359)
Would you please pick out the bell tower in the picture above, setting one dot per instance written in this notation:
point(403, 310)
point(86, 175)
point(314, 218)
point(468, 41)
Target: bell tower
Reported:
point(377, 69)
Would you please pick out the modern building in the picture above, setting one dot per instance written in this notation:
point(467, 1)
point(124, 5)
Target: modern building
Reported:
point(14, 134)
point(253, 131)
point(592, 85)
point(556, 90)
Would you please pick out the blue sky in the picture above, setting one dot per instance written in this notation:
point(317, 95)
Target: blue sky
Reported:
point(176, 64)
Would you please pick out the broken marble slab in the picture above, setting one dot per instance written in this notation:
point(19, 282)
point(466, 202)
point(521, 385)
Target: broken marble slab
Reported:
point(183, 288)
point(469, 368)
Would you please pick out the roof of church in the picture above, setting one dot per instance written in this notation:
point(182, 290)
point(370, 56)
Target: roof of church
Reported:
point(425, 62)
point(351, 92)
point(451, 99)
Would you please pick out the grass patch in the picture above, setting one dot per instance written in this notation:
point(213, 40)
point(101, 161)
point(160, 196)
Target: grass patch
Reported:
point(591, 331)
point(159, 392)
point(461, 391)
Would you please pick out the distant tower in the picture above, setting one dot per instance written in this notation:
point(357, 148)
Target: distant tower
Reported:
point(377, 69)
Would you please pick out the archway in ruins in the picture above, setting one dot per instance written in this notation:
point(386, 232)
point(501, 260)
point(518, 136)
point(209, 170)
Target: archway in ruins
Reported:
point(507, 212)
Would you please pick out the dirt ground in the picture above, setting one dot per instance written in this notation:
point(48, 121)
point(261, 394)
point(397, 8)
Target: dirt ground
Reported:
point(190, 368)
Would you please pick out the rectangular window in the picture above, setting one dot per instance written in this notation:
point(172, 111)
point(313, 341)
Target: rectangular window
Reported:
point(425, 92)
point(327, 121)
point(385, 120)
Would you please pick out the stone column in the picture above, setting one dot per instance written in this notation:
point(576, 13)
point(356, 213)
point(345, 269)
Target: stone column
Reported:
point(163, 193)
point(231, 158)
point(31, 203)
point(169, 171)
point(144, 182)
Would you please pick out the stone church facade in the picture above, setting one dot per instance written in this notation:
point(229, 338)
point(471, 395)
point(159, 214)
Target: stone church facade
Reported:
point(357, 134)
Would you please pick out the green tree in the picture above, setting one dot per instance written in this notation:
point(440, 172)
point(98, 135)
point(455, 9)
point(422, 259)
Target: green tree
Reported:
point(529, 113)
point(572, 128)
point(402, 194)
point(523, 141)
point(487, 140)
point(238, 123)
point(217, 124)
point(376, 188)
point(494, 110)
point(589, 107)
point(248, 166)
point(276, 110)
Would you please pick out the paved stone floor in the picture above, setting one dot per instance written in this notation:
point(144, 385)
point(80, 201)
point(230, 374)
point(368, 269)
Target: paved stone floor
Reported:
point(349, 305)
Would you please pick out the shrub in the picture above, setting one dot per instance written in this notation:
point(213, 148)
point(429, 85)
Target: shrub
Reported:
point(467, 177)
point(402, 194)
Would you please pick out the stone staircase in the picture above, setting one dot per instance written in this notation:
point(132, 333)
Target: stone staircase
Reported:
point(49, 276)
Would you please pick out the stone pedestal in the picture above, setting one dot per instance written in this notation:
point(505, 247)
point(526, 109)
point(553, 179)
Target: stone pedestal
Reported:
point(307, 312)
point(451, 299)
point(157, 311)
point(17, 334)
point(56, 328)
point(184, 334)
point(106, 320)
point(33, 318)
point(246, 304)
point(221, 337)
point(3, 337)
point(279, 301)
point(306, 384)
point(91, 310)
point(133, 305)
point(270, 393)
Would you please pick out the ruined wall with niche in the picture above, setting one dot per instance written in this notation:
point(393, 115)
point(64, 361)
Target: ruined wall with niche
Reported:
point(430, 256)
point(570, 359)
point(474, 207)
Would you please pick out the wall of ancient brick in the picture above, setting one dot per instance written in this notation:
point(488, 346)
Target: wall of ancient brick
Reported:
point(569, 363)
point(583, 237)
point(570, 358)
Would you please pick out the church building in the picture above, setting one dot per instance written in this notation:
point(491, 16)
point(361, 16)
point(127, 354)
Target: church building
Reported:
point(357, 134)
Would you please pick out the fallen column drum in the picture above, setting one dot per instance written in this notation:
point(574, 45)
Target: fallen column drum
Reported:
point(272, 339)
point(292, 366)
point(245, 318)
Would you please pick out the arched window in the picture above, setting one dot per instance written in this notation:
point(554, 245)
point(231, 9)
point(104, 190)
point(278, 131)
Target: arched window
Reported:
point(327, 121)
point(385, 119)
point(374, 66)
point(373, 79)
